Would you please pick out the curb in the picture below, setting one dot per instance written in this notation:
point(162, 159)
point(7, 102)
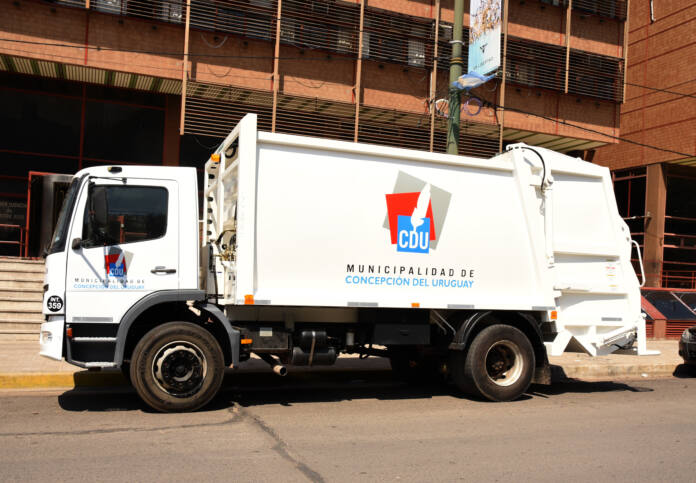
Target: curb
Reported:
point(595, 372)
point(62, 380)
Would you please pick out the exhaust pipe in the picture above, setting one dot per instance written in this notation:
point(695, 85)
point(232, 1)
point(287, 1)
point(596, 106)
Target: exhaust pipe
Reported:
point(278, 368)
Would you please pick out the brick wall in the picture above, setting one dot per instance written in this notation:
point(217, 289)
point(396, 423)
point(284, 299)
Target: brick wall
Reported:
point(660, 54)
point(246, 62)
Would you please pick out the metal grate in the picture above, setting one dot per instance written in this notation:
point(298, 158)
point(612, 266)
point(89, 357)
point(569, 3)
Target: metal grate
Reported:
point(393, 37)
point(675, 328)
point(321, 24)
point(595, 75)
point(72, 3)
point(311, 116)
point(535, 64)
point(253, 18)
point(603, 8)
point(164, 10)
point(213, 110)
point(475, 139)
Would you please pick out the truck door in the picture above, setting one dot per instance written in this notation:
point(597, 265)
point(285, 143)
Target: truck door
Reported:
point(123, 244)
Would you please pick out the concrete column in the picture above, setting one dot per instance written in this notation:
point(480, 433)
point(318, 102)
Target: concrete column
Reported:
point(172, 140)
point(655, 202)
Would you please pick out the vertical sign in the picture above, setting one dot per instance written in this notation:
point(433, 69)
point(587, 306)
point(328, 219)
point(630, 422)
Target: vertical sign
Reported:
point(484, 35)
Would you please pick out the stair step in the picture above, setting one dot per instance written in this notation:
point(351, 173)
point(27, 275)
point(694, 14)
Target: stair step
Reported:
point(34, 277)
point(21, 316)
point(21, 325)
point(34, 285)
point(15, 304)
point(7, 335)
point(36, 261)
point(18, 265)
point(24, 294)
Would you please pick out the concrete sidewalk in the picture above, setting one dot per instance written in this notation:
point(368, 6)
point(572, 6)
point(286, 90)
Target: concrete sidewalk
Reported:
point(22, 367)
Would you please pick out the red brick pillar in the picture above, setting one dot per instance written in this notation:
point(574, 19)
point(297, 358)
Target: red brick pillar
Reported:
point(659, 329)
point(655, 202)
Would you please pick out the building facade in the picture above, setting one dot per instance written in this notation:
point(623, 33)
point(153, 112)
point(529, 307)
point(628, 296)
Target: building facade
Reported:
point(86, 82)
point(654, 169)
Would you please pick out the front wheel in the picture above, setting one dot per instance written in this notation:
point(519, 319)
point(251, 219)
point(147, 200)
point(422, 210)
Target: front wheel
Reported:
point(177, 367)
point(498, 366)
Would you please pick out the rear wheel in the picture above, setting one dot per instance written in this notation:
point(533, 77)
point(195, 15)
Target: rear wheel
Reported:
point(498, 366)
point(176, 367)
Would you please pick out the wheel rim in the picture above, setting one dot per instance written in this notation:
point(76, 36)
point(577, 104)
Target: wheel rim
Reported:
point(504, 363)
point(179, 368)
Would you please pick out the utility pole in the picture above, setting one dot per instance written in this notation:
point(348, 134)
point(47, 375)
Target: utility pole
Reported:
point(455, 73)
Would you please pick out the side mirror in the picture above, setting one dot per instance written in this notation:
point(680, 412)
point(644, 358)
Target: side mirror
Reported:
point(76, 243)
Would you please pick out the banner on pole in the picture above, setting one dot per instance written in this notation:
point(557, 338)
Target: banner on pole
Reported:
point(484, 35)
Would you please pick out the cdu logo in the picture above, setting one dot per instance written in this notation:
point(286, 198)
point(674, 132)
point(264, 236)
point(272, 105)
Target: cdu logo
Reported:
point(412, 225)
point(116, 262)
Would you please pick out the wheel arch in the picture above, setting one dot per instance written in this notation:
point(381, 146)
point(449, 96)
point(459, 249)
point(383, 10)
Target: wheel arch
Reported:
point(473, 323)
point(161, 307)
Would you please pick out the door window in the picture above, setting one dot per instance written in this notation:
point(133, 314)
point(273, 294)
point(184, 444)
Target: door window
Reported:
point(124, 214)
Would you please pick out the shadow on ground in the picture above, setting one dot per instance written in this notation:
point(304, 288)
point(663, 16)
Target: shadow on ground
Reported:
point(584, 387)
point(253, 389)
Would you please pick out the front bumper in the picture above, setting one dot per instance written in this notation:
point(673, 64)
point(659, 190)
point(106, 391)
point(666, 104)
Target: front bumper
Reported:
point(51, 338)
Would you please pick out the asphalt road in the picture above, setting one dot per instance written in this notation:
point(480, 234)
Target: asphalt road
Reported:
point(356, 425)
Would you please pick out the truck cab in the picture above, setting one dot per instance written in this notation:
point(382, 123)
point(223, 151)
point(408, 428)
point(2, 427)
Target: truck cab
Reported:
point(118, 241)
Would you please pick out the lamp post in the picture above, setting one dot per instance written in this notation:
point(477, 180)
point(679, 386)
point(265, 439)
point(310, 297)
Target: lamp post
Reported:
point(455, 72)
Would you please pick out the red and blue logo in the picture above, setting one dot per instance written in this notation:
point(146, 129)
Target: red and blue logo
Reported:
point(416, 213)
point(411, 223)
point(115, 264)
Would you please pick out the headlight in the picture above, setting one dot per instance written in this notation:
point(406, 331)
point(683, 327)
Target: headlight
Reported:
point(689, 335)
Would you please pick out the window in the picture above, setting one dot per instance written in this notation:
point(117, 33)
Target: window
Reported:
point(416, 53)
point(345, 41)
point(172, 11)
point(124, 214)
point(366, 45)
point(287, 30)
point(110, 6)
point(61, 231)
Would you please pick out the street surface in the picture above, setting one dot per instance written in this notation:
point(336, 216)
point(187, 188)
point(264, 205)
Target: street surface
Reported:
point(355, 425)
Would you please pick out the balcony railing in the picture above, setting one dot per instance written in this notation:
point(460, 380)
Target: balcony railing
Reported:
point(595, 75)
point(213, 110)
point(603, 8)
point(333, 26)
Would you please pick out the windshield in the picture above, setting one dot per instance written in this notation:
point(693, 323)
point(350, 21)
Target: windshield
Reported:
point(61, 231)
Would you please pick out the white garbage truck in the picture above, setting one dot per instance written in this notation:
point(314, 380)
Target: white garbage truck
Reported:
point(310, 248)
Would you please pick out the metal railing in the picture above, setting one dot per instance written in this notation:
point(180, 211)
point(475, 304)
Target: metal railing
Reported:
point(19, 242)
point(684, 279)
point(213, 110)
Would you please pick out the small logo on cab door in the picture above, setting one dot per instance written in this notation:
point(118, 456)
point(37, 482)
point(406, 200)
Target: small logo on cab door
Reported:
point(117, 262)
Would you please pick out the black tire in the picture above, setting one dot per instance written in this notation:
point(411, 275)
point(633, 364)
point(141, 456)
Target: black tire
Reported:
point(498, 366)
point(177, 367)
